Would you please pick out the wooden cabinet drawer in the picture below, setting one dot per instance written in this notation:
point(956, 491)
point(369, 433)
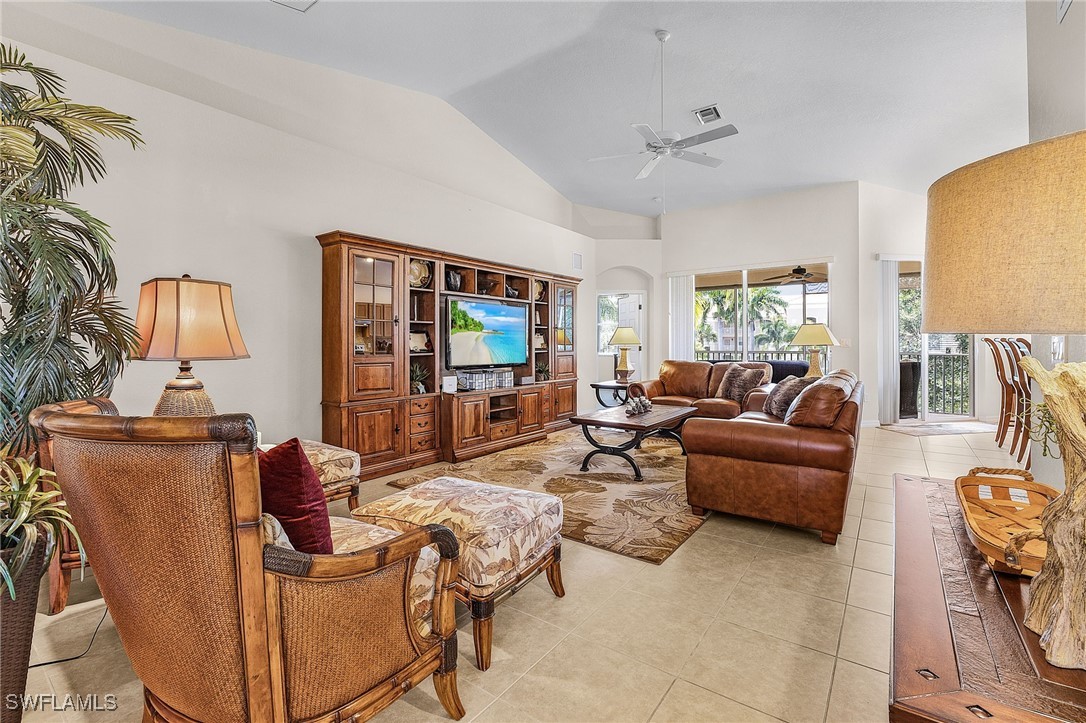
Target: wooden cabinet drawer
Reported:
point(423, 442)
point(422, 424)
point(501, 430)
point(427, 405)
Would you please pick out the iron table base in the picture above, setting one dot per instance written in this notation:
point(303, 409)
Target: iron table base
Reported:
point(635, 443)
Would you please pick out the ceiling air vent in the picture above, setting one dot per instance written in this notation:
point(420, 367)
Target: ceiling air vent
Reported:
point(708, 114)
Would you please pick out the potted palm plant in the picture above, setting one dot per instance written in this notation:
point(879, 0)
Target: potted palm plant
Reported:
point(32, 517)
point(63, 333)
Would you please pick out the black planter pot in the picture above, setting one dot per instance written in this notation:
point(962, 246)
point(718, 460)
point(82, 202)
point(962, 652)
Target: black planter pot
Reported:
point(17, 628)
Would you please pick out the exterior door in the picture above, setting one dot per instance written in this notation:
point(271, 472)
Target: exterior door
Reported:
point(375, 431)
point(375, 308)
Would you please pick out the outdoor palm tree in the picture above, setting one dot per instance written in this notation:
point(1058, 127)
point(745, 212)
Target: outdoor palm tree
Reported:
point(775, 334)
point(63, 334)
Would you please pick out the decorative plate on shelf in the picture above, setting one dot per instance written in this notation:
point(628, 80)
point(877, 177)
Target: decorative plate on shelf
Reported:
point(539, 290)
point(420, 273)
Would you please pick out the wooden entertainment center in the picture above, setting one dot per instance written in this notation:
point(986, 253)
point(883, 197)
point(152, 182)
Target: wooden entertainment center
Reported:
point(383, 306)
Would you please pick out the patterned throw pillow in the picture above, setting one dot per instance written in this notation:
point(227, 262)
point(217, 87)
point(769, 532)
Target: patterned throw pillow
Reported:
point(782, 396)
point(738, 381)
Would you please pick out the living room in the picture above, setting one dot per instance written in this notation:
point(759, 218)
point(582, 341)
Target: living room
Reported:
point(441, 153)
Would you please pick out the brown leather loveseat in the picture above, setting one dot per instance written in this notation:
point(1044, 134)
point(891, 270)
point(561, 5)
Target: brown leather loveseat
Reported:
point(796, 470)
point(694, 384)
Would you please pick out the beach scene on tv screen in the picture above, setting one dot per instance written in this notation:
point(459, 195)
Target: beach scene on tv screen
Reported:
point(486, 333)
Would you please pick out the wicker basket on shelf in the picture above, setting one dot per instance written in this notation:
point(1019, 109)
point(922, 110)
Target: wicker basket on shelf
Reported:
point(1003, 517)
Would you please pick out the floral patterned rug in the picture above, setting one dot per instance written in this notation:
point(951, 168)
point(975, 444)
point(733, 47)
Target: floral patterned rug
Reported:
point(603, 507)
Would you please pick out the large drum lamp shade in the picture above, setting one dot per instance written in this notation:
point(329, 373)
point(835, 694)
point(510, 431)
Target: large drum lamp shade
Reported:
point(1006, 243)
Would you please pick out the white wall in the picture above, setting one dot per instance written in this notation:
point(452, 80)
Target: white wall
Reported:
point(626, 261)
point(1056, 57)
point(890, 222)
point(602, 223)
point(232, 194)
point(818, 223)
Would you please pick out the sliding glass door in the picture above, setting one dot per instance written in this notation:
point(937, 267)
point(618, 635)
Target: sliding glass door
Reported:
point(754, 313)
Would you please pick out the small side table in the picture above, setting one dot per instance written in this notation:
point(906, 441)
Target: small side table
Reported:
point(619, 392)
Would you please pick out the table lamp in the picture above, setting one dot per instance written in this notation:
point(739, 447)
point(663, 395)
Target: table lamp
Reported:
point(187, 320)
point(1006, 254)
point(814, 336)
point(624, 337)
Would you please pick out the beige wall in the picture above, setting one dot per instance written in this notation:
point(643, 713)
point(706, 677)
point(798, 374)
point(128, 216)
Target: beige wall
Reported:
point(234, 183)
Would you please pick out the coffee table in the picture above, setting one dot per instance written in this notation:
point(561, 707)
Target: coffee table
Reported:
point(660, 421)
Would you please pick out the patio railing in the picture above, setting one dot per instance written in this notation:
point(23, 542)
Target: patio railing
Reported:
point(714, 356)
point(949, 383)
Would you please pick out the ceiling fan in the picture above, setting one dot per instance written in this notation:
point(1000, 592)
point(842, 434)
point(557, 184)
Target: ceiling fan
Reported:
point(669, 144)
point(799, 275)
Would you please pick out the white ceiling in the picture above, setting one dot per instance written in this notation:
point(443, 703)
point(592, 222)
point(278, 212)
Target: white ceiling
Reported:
point(895, 93)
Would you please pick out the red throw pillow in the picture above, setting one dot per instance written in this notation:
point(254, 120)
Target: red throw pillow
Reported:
point(291, 492)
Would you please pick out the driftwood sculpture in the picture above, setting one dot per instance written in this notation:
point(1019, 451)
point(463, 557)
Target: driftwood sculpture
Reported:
point(1057, 609)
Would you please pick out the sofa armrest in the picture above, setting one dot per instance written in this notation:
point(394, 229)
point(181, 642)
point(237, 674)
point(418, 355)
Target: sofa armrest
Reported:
point(755, 399)
point(772, 442)
point(649, 388)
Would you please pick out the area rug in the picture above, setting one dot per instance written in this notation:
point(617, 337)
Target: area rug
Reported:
point(603, 507)
point(938, 428)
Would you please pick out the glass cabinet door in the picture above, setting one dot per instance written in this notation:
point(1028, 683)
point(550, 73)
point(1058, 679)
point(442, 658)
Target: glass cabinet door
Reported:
point(563, 319)
point(374, 315)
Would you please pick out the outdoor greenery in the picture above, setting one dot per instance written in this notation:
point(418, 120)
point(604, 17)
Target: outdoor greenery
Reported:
point(28, 510)
point(63, 333)
point(607, 315)
point(461, 320)
point(766, 309)
point(948, 374)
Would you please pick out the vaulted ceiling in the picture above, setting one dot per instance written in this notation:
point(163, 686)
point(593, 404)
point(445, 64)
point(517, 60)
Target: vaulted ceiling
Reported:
point(895, 93)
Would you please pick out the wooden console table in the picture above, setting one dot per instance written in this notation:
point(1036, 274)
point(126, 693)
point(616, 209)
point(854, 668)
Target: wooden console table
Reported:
point(961, 652)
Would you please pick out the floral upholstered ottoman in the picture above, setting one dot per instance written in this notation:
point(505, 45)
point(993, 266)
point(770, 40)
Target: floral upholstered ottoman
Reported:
point(507, 536)
point(336, 468)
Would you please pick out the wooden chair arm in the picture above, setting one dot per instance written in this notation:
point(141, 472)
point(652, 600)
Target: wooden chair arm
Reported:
point(283, 561)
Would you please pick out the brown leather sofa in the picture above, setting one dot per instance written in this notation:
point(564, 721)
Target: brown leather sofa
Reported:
point(694, 384)
point(796, 470)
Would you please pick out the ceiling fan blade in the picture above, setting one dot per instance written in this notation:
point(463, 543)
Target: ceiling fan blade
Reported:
point(782, 276)
point(648, 167)
point(620, 155)
point(695, 157)
point(647, 133)
point(722, 132)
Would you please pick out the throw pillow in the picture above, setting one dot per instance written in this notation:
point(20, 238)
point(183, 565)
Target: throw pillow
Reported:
point(738, 381)
point(291, 493)
point(782, 396)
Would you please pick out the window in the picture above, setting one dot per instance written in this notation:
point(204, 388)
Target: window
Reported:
point(753, 314)
point(606, 321)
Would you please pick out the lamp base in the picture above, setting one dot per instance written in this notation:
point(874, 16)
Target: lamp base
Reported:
point(814, 369)
point(623, 368)
point(184, 396)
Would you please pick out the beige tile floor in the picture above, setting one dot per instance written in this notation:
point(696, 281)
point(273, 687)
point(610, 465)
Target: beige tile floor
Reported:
point(746, 621)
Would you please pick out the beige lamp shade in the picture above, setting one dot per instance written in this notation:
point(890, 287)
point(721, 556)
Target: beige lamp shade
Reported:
point(814, 335)
point(188, 320)
point(1006, 243)
point(624, 336)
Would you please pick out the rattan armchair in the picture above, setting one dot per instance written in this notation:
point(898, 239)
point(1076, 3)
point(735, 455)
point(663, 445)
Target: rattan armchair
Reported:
point(218, 625)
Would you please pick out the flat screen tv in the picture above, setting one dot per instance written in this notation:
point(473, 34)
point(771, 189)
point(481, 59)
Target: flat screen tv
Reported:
point(485, 333)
